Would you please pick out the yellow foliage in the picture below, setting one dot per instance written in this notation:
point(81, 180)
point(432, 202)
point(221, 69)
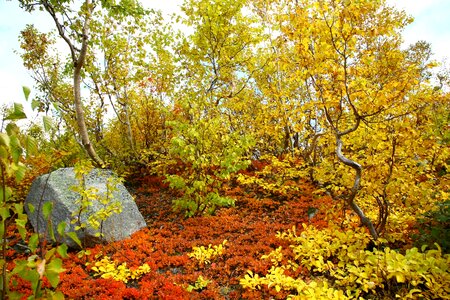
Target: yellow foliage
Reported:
point(199, 284)
point(205, 255)
point(352, 270)
point(277, 176)
point(277, 280)
point(105, 268)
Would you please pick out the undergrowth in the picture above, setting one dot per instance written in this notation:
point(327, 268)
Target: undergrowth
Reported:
point(260, 249)
point(343, 268)
point(434, 227)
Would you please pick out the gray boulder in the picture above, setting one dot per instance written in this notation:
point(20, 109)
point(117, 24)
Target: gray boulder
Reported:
point(56, 187)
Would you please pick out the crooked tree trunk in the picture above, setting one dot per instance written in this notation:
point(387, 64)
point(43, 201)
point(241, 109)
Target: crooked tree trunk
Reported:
point(382, 200)
point(78, 59)
point(356, 185)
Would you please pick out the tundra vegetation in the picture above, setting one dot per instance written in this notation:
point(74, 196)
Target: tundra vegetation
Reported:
point(277, 149)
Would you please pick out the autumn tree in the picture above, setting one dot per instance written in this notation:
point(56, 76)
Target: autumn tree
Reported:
point(73, 25)
point(155, 86)
point(207, 134)
point(351, 81)
point(120, 62)
point(47, 69)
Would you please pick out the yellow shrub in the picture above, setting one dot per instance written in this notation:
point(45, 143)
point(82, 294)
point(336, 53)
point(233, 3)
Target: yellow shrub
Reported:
point(204, 255)
point(352, 270)
point(105, 268)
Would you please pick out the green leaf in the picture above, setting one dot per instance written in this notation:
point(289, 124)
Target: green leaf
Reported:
point(53, 269)
point(3, 152)
point(58, 295)
point(15, 295)
point(16, 151)
point(33, 242)
point(31, 208)
point(47, 209)
point(75, 238)
point(21, 223)
point(51, 233)
point(2, 232)
point(7, 193)
point(21, 265)
point(31, 276)
point(4, 139)
point(20, 172)
point(4, 212)
point(61, 228)
point(31, 146)
point(49, 254)
point(48, 123)
point(62, 250)
point(12, 129)
point(35, 104)
point(17, 114)
point(26, 92)
point(19, 208)
point(56, 106)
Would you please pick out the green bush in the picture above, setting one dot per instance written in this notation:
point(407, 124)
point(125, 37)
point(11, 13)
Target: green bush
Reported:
point(434, 227)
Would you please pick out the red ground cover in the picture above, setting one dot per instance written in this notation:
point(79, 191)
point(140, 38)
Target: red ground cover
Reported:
point(249, 228)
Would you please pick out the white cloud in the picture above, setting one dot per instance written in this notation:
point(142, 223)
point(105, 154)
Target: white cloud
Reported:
point(431, 24)
point(412, 7)
point(168, 7)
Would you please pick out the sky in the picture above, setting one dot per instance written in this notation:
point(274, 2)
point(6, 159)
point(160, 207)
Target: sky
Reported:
point(431, 23)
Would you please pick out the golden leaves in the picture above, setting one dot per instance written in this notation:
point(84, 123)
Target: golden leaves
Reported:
point(105, 268)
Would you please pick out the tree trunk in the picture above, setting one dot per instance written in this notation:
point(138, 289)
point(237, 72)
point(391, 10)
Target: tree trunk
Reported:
point(356, 185)
point(78, 63)
point(129, 129)
point(82, 129)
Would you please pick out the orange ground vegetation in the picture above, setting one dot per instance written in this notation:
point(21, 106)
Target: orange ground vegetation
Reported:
point(249, 228)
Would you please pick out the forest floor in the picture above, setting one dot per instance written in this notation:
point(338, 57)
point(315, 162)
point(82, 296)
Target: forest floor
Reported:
point(249, 229)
